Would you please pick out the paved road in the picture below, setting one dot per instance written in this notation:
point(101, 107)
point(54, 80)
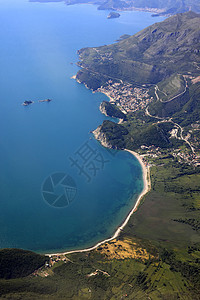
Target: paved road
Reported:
point(170, 119)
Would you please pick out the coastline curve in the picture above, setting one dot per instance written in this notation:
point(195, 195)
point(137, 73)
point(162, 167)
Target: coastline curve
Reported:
point(146, 189)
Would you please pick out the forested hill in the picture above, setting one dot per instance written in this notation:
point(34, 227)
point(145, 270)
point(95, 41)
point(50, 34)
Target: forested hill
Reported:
point(153, 54)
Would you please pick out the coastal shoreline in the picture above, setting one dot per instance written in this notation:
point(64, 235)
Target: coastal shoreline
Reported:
point(146, 189)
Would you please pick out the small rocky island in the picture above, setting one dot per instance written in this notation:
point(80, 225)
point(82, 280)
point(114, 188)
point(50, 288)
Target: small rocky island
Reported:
point(113, 15)
point(45, 100)
point(26, 103)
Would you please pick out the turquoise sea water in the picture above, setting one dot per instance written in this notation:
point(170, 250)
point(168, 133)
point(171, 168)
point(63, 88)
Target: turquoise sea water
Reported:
point(37, 58)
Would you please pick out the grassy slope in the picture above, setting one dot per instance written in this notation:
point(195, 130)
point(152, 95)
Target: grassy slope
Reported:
point(185, 109)
point(171, 87)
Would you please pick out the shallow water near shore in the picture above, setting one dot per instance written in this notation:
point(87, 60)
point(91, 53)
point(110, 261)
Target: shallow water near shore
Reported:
point(48, 140)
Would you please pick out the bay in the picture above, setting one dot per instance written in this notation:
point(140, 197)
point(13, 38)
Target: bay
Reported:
point(38, 55)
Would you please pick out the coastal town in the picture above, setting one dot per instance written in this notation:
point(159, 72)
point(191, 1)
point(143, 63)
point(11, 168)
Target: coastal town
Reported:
point(127, 97)
point(130, 99)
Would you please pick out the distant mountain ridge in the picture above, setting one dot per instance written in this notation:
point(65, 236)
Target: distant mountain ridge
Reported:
point(165, 7)
point(162, 7)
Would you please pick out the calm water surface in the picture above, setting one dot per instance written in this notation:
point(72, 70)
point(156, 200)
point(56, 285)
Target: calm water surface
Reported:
point(37, 58)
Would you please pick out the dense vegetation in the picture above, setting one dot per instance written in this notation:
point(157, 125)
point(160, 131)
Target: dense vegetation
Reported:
point(15, 263)
point(131, 136)
point(115, 133)
point(112, 110)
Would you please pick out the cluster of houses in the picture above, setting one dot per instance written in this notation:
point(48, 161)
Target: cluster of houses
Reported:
point(45, 270)
point(182, 156)
point(186, 157)
point(125, 96)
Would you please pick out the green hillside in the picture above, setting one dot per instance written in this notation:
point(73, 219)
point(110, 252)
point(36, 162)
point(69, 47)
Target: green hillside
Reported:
point(111, 110)
point(132, 137)
point(149, 56)
point(170, 87)
point(15, 263)
point(185, 108)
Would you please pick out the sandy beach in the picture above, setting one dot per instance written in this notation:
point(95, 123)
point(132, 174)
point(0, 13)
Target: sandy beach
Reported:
point(146, 189)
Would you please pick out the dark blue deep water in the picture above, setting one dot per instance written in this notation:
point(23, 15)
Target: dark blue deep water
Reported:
point(38, 45)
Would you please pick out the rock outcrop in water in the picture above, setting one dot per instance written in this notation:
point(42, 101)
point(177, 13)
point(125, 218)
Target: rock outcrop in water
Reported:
point(111, 135)
point(113, 15)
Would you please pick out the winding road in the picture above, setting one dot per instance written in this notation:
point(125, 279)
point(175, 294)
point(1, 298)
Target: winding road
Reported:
point(170, 119)
point(173, 98)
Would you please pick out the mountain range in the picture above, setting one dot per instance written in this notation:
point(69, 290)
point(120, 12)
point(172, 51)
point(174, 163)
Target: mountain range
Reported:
point(148, 57)
point(161, 7)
